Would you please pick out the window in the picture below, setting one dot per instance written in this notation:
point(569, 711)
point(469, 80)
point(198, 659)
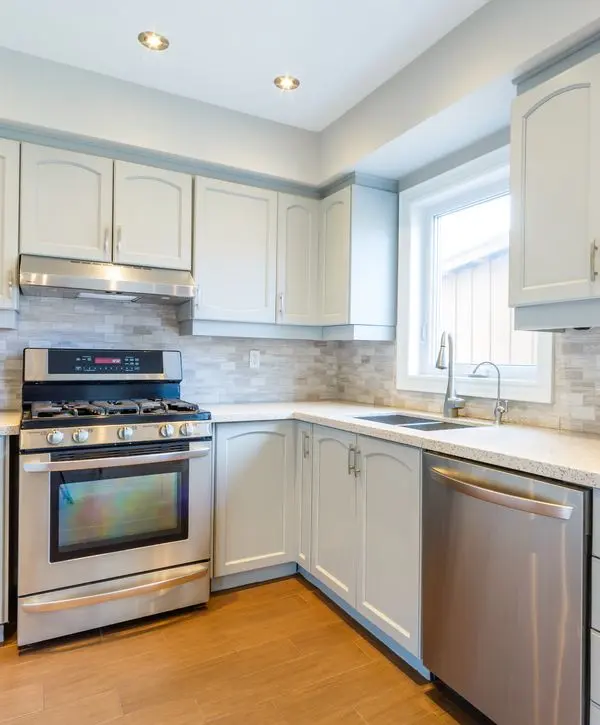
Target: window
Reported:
point(454, 276)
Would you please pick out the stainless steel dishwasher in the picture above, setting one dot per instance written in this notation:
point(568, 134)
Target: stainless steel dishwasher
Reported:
point(505, 570)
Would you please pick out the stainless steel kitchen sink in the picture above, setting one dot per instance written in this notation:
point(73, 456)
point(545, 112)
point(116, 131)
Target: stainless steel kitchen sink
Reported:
point(395, 419)
point(413, 421)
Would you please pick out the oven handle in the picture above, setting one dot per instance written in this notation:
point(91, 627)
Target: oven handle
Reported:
point(90, 463)
point(41, 604)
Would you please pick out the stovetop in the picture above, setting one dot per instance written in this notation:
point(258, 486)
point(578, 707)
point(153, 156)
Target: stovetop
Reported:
point(59, 410)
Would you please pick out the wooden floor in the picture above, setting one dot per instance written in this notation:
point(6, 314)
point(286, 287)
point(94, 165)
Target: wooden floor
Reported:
point(275, 654)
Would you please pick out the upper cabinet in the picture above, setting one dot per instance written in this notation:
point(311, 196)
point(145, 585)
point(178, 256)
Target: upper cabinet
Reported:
point(358, 257)
point(9, 224)
point(235, 239)
point(66, 204)
point(152, 217)
point(297, 260)
point(555, 186)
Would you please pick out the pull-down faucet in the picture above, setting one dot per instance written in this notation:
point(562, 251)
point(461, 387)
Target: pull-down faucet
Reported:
point(445, 360)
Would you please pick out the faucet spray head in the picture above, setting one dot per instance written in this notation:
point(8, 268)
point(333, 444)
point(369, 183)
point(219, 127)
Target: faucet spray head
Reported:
point(442, 359)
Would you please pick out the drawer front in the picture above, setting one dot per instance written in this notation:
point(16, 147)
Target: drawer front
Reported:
point(595, 667)
point(594, 714)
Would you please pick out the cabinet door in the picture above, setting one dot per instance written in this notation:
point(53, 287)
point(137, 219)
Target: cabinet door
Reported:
point(303, 492)
point(153, 217)
point(4, 532)
point(235, 252)
point(389, 556)
point(297, 260)
point(254, 496)
point(335, 258)
point(66, 204)
point(9, 224)
point(555, 168)
point(334, 531)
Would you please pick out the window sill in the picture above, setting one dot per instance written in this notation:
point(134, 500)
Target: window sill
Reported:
point(518, 390)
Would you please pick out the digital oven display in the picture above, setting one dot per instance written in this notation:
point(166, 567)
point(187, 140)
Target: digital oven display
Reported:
point(109, 362)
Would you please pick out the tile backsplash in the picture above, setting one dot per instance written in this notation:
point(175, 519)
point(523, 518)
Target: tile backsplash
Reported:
point(214, 369)
point(217, 370)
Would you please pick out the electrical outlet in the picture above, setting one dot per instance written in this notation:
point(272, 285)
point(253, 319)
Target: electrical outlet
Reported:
point(254, 359)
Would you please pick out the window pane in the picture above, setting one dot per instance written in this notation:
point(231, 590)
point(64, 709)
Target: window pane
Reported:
point(470, 296)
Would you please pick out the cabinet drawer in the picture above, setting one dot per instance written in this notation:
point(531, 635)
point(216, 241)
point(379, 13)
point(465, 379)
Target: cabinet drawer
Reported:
point(594, 714)
point(595, 667)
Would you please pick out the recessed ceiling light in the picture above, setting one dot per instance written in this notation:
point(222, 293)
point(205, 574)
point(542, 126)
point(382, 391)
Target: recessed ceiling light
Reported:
point(153, 41)
point(286, 83)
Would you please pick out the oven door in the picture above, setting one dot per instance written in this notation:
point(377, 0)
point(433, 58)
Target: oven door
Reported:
point(87, 515)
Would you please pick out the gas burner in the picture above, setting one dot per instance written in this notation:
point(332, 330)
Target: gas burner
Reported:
point(117, 407)
point(174, 405)
point(82, 407)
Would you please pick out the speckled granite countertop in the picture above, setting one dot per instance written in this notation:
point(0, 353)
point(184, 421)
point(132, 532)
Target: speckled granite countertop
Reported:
point(570, 457)
point(10, 421)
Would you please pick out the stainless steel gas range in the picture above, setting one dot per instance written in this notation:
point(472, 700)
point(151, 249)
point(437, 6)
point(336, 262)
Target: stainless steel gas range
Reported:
point(115, 492)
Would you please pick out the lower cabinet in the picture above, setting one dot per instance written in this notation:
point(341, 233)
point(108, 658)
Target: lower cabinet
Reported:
point(366, 529)
point(254, 496)
point(594, 714)
point(334, 520)
point(388, 479)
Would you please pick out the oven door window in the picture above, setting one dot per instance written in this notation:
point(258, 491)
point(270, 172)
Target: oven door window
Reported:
point(96, 511)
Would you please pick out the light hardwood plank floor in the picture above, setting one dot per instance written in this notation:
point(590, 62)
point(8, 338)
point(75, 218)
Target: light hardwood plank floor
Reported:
point(274, 654)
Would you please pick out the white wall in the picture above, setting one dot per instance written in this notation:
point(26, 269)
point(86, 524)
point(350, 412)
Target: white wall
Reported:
point(502, 39)
point(61, 98)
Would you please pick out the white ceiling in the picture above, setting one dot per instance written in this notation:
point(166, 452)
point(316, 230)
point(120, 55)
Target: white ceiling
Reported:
point(227, 52)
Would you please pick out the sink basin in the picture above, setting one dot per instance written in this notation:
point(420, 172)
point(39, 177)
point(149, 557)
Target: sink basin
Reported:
point(441, 425)
point(413, 421)
point(396, 419)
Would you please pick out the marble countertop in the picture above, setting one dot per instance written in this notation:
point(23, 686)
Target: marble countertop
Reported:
point(569, 457)
point(10, 422)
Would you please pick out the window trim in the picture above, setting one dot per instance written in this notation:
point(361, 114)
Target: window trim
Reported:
point(489, 171)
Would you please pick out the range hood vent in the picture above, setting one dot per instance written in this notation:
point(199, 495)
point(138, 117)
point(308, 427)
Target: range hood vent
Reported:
point(51, 277)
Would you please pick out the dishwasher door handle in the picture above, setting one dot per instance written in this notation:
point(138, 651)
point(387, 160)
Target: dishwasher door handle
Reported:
point(479, 489)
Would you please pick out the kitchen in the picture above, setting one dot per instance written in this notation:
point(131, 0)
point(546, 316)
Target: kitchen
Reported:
point(216, 310)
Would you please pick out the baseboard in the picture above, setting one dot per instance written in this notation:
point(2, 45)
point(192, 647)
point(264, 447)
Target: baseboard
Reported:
point(256, 576)
point(385, 639)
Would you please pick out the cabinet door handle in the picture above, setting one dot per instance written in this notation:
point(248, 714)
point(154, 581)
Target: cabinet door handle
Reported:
point(593, 250)
point(11, 282)
point(119, 238)
point(281, 304)
point(107, 242)
point(356, 461)
point(351, 460)
point(305, 445)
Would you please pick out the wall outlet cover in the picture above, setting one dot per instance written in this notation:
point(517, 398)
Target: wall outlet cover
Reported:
point(254, 359)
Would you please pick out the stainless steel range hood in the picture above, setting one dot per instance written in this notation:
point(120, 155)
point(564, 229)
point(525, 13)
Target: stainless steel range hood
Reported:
point(51, 277)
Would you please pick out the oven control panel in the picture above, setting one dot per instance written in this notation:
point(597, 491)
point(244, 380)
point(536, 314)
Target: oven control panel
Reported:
point(106, 435)
point(104, 362)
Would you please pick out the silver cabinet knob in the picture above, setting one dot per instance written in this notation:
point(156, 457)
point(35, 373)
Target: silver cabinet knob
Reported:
point(80, 435)
point(186, 429)
point(55, 437)
point(167, 430)
point(125, 433)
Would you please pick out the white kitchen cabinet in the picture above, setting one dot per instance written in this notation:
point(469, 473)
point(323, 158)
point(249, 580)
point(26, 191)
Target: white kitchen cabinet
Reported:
point(303, 503)
point(152, 217)
point(594, 714)
point(235, 245)
point(254, 496)
point(66, 204)
point(4, 533)
point(297, 260)
point(555, 185)
point(9, 224)
point(389, 531)
point(334, 522)
point(358, 257)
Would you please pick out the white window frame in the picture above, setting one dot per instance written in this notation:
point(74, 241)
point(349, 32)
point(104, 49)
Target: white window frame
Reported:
point(486, 176)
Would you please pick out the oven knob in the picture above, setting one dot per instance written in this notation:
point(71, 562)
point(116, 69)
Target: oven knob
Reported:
point(80, 435)
point(125, 433)
point(55, 437)
point(186, 429)
point(167, 431)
